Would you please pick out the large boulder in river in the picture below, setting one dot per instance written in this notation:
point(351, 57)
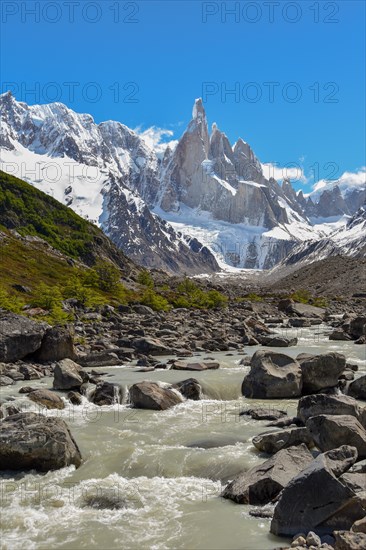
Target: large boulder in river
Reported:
point(321, 371)
point(315, 495)
point(272, 375)
point(263, 483)
point(272, 442)
point(150, 395)
point(57, 344)
point(68, 375)
point(107, 393)
point(47, 399)
point(357, 388)
point(321, 403)
point(150, 346)
point(32, 441)
point(331, 431)
point(357, 327)
point(207, 365)
point(190, 389)
point(19, 337)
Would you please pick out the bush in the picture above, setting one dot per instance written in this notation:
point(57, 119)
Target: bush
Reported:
point(144, 278)
point(154, 300)
point(301, 296)
point(108, 276)
point(10, 302)
point(85, 295)
point(47, 297)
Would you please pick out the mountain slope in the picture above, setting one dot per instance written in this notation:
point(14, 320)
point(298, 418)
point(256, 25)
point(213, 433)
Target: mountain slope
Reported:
point(105, 172)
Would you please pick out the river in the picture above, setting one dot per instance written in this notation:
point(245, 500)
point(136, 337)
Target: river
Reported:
point(152, 479)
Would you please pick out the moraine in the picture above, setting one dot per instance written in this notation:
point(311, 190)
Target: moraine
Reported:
point(152, 479)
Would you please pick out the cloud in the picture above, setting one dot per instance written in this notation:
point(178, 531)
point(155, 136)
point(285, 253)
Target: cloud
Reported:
point(294, 171)
point(156, 138)
point(346, 181)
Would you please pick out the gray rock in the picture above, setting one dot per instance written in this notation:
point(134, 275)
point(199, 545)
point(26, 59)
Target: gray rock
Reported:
point(47, 399)
point(262, 413)
point(68, 375)
point(355, 481)
point(5, 380)
point(150, 395)
point(314, 496)
point(272, 375)
point(278, 341)
point(357, 388)
point(348, 540)
point(190, 389)
point(19, 337)
point(299, 322)
point(321, 403)
point(263, 483)
point(106, 393)
point(75, 398)
point(339, 334)
point(331, 431)
point(33, 441)
point(357, 327)
point(151, 346)
point(321, 371)
point(57, 344)
point(272, 442)
point(209, 365)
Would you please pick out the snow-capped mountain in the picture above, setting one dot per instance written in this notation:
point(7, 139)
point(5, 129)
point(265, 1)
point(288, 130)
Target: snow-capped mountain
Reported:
point(202, 204)
point(105, 172)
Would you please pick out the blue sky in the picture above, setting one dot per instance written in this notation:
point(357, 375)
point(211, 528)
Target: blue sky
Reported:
point(297, 69)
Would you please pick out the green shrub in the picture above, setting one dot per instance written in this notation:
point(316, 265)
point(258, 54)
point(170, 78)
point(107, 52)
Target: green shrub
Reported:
point(108, 276)
point(47, 297)
point(86, 296)
point(144, 278)
point(301, 296)
point(154, 300)
point(10, 302)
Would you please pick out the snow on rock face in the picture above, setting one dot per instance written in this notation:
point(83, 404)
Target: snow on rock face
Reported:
point(206, 190)
point(105, 172)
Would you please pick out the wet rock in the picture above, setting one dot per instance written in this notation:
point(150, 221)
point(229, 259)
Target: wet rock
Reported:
point(321, 403)
point(19, 336)
point(57, 344)
point(357, 388)
point(100, 501)
point(348, 540)
point(357, 327)
point(263, 483)
point(262, 413)
point(46, 398)
point(68, 375)
point(331, 431)
point(272, 442)
point(306, 310)
point(33, 441)
point(6, 381)
point(106, 393)
point(209, 365)
point(30, 373)
point(190, 389)
point(278, 341)
point(75, 398)
point(260, 513)
point(26, 389)
point(150, 395)
point(11, 409)
point(286, 422)
point(299, 322)
point(339, 334)
point(315, 495)
point(321, 371)
point(272, 375)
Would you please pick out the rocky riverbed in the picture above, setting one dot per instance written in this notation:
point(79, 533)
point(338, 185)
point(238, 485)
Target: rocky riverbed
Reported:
point(185, 430)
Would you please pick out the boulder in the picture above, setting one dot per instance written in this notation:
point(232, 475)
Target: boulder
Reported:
point(263, 483)
point(272, 442)
point(272, 375)
point(355, 481)
point(331, 431)
point(75, 398)
point(348, 540)
point(32, 441)
point(30, 373)
point(5, 380)
point(151, 346)
point(339, 334)
point(150, 395)
point(321, 371)
point(46, 398)
point(68, 375)
point(190, 389)
point(106, 393)
point(57, 344)
point(103, 358)
point(321, 403)
point(315, 495)
point(19, 337)
point(262, 413)
point(357, 388)
point(278, 341)
point(357, 327)
point(359, 526)
point(209, 365)
point(299, 322)
point(306, 310)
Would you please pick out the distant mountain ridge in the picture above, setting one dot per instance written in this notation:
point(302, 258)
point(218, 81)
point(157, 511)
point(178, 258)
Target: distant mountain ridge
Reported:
point(202, 205)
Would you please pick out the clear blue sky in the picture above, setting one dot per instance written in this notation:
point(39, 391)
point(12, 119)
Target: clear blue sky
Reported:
point(170, 49)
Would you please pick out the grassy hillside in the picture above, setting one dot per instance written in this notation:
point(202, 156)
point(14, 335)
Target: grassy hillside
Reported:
point(31, 212)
